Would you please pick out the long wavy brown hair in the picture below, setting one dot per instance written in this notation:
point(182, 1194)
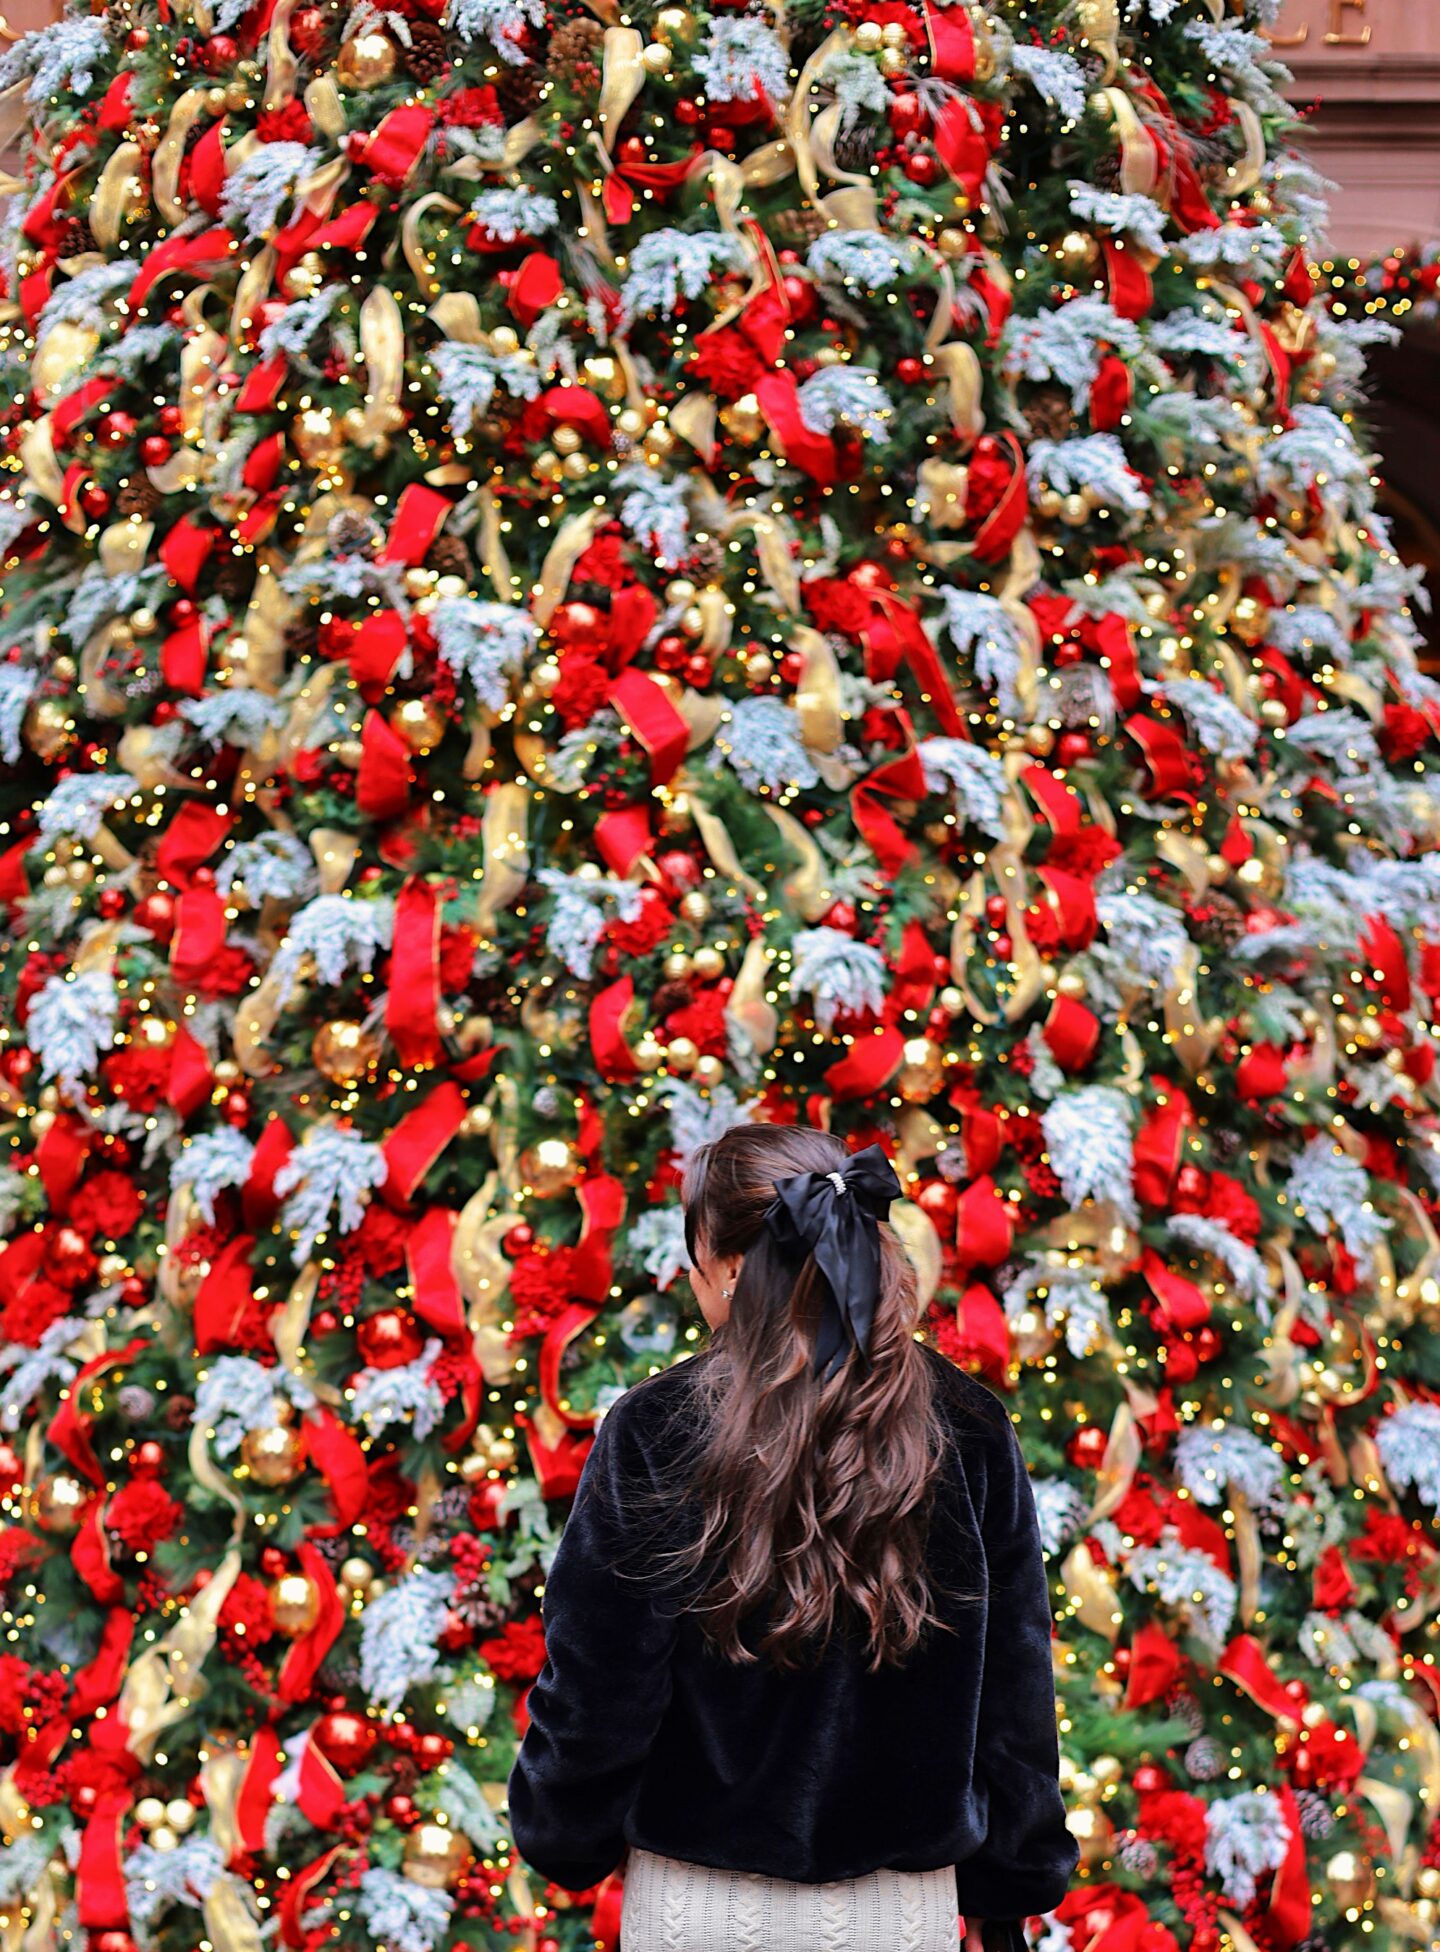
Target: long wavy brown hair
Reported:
point(814, 1501)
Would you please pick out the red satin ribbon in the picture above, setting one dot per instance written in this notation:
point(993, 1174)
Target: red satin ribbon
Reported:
point(1179, 1304)
point(396, 145)
point(1072, 1032)
point(226, 1295)
point(374, 652)
point(99, 1880)
point(297, 1890)
point(306, 1654)
point(383, 783)
point(70, 1427)
point(436, 1292)
point(602, 1202)
point(185, 550)
point(197, 256)
point(899, 633)
point(952, 42)
point(60, 1159)
point(1002, 524)
point(1159, 1148)
point(607, 1044)
point(264, 384)
point(419, 517)
point(256, 1793)
point(258, 1199)
point(412, 1007)
point(899, 778)
point(655, 722)
point(1131, 292)
point(815, 454)
point(191, 1079)
point(623, 838)
point(335, 1451)
point(420, 1137)
point(868, 1065)
point(985, 1226)
point(558, 1337)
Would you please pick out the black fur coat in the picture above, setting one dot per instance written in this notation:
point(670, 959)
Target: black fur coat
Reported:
point(639, 1734)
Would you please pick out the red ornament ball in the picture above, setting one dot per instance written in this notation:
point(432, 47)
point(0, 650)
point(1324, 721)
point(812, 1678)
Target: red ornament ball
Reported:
point(910, 371)
point(95, 500)
point(147, 1460)
point(219, 52)
point(111, 903)
point(155, 450)
point(923, 168)
point(1086, 1448)
point(307, 30)
point(1149, 1778)
point(156, 915)
point(519, 1240)
point(346, 1739)
point(389, 1339)
point(115, 429)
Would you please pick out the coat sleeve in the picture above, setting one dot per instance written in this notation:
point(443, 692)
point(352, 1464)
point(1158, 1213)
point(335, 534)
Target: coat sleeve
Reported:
point(604, 1687)
point(1028, 1857)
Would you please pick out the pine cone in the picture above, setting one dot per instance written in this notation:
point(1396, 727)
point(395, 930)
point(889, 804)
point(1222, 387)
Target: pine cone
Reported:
point(1225, 1143)
point(77, 238)
point(1049, 414)
point(302, 637)
point(449, 555)
point(427, 56)
point(671, 996)
point(855, 147)
point(1219, 921)
point(798, 226)
point(234, 577)
point(518, 90)
point(138, 496)
point(574, 57)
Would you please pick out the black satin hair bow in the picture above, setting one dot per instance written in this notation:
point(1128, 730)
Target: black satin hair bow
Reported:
point(835, 1216)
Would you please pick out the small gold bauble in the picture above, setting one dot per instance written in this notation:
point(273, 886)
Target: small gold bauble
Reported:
point(1039, 739)
point(657, 58)
point(420, 723)
point(356, 1574)
point(294, 1604)
point(149, 1811)
point(695, 907)
point(1070, 982)
point(59, 1502)
point(1427, 1881)
point(868, 36)
point(1275, 712)
point(708, 964)
point(547, 465)
point(951, 1001)
point(49, 730)
point(305, 276)
point(659, 442)
point(550, 1167)
point(709, 1072)
point(953, 243)
point(180, 1815)
point(343, 1051)
point(162, 1837)
point(1351, 1877)
point(1107, 1769)
point(1077, 251)
point(273, 1454)
point(892, 34)
point(682, 1054)
point(318, 440)
point(366, 61)
point(893, 61)
point(1074, 509)
point(673, 24)
point(632, 421)
point(604, 376)
point(144, 622)
point(566, 440)
point(677, 966)
point(473, 1034)
point(743, 422)
point(1249, 620)
point(477, 1122)
point(648, 1053)
point(436, 1856)
point(575, 467)
point(760, 666)
point(922, 1072)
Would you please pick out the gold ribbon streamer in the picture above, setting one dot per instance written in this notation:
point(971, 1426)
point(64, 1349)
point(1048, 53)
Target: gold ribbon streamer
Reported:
point(915, 1230)
point(746, 1007)
point(817, 694)
point(228, 1920)
point(415, 254)
point(161, 1684)
point(281, 67)
point(111, 193)
point(574, 538)
point(504, 849)
point(622, 78)
point(170, 152)
point(382, 346)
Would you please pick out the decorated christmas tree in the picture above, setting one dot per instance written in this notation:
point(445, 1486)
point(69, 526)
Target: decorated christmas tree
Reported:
point(571, 577)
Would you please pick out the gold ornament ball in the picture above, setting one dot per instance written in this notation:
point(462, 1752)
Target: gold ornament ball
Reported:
point(709, 1072)
point(869, 35)
point(273, 1455)
point(575, 467)
point(1076, 252)
point(294, 1604)
point(436, 1856)
point(1039, 739)
point(366, 61)
point(604, 376)
point(1427, 1881)
point(657, 58)
point(477, 1122)
point(893, 61)
point(566, 440)
point(547, 466)
point(1249, 620)
point(708, 964)
point(682, 1054)
point(1070, 982)
point(680, 591)
point(760, 666)
point(344, 1052)
point(58, 1503)
point(632, 421)
point(180, 1815)
point(550, 1167)
point(1107, 1769)
point(357, 1574)
point(420, 723)
point(922, 1072)
point(1074, 509)
point(1274, 712)
point(318, 440)
point(695, 907)
point(149, 1811)
point(1351, 1878)
point(673, 24)
point(648, 1053)
point(162, 1837)
point(951, 1001)
point(49, 729)
point(743, 422)
point(473, 1033)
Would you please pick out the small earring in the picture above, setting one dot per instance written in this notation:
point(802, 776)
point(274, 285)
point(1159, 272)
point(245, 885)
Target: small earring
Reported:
point(725, 1293)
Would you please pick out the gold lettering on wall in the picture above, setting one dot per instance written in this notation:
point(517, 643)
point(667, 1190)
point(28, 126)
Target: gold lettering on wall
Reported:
point(1337, 36)
point(1342, 31)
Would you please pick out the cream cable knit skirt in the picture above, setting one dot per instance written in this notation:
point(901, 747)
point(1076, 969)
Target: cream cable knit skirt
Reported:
point(673, 1906)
